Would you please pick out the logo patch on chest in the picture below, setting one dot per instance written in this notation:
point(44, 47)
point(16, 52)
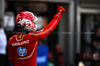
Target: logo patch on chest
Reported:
point(22, 51)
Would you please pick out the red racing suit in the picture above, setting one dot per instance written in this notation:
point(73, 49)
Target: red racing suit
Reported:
point(23, 47)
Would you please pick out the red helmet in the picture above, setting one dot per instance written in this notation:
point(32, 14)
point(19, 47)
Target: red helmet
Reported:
point(27, 19)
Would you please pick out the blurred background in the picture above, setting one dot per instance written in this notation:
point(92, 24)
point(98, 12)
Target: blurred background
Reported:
point(74, 42)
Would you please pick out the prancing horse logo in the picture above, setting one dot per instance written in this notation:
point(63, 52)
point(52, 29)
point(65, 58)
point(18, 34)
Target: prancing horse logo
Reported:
point(21, 51)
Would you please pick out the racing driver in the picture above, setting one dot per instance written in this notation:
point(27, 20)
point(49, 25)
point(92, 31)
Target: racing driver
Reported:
point(23, 45)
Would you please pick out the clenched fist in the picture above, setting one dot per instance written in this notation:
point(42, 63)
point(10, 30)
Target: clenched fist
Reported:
point(60, 11)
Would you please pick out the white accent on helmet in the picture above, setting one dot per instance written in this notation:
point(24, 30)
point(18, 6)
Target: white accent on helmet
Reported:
point(23, 21)
point(26, 22)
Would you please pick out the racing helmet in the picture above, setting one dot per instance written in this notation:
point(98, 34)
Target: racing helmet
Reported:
point(27, 20)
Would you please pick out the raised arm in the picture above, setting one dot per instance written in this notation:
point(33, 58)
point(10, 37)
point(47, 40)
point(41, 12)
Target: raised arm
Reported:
point(51, 26)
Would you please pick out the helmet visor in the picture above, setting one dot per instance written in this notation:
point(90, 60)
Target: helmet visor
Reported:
point(35, 19)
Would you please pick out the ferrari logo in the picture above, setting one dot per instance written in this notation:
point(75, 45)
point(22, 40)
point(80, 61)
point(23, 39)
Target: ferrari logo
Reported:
point(20, 35)
point(60, 10)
